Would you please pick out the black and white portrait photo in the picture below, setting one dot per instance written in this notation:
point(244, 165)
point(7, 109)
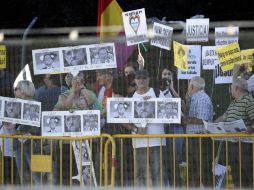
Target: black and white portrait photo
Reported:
point(102, 55)
point(74, 56)
point(167, 110)
point(120, 109)
point(86, 176)
point(47, 60)
point(12, 109)
point(90, 123)
point(72, 123)
point(144, 109)
point(31, 112)
point(52, 124)
point(84, 152)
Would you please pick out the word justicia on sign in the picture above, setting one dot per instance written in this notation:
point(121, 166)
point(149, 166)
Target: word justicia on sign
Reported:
point(197, 30)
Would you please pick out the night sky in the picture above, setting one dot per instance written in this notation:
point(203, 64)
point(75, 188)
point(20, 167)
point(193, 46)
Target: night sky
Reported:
point(63, 13)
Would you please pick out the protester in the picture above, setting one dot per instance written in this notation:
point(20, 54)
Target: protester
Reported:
point(240, 108)
point(199, 108)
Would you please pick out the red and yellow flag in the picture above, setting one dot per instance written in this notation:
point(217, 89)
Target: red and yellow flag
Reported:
point(110, 28)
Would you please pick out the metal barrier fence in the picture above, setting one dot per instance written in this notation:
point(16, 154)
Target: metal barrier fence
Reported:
point(206, 160)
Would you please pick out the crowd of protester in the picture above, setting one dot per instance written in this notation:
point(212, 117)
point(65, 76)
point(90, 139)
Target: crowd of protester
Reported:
point(89, 91)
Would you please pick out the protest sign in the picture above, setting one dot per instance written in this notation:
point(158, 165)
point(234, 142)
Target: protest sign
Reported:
point(221, 77)
point(2, 56)
point(197, 30)
point(194, 63)
point(135, 26)
point(180, 56)
point(247, 58)
point(226, 35)
point(162, 36)
point(228, 56)
point(209, 57)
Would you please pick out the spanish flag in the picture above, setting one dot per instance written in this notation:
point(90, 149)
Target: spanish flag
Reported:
point(110, 25)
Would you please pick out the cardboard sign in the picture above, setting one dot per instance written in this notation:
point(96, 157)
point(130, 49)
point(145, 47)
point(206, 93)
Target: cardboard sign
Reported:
point(162, 36)
point(180, 56)
point(228, 56)
point(226, 35)
point(247, 58)
point(2, 56)
point(135, 26)
point(221, 77)
point(209, 57)
point(197, 30)
point(194, 63)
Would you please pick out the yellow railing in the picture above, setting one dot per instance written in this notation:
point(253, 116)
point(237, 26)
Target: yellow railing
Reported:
point(112, 172)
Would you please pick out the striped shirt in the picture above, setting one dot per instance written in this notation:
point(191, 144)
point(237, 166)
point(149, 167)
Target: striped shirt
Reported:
point(241, 109)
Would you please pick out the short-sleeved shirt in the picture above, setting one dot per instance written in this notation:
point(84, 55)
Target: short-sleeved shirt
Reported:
point(201, 107)
point(241, 109)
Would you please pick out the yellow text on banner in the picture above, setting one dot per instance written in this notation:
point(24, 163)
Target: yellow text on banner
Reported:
point(247, 58)
point(229, 55)
point(2, 56)
point(180, 56)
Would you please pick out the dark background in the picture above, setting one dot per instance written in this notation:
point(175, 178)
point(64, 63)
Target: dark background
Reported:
point(63, 13)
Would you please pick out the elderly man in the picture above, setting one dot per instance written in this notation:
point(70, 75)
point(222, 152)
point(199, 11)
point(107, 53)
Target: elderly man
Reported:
point(242, 107)
point(140, 145)
point(199, 108)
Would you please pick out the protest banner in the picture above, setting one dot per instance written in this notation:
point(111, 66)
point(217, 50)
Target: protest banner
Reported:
point(2, 56)
point(221, 77)
point(162, 36)
point(135, 26)
point(229, 55)
point(194, 63)
point(180, 56)
point(209, 57)
point(226, 35)
point(247, 58)
point(197, 30)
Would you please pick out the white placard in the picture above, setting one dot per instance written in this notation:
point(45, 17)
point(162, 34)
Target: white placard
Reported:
point(226, 35)
point(221, 77)
point(64, 123)
point(26, 112)
point(162, 36)
point(194, 63)
point(135, 110)
point(209, 57)
point(135, 26)
point(197, 30)
point(74, 58)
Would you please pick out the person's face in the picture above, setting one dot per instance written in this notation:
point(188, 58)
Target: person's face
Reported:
point(71, 124)
point(103, 54)
point(142, 82)
point(52, 124)
point(48, 61)
point(129, 70)
point(75, 56)
point(166, 74)
point(233, 90)
point(12, 109)
point(143, 109)
point(82, 103)
point(102, 78)
point(32, 109)
point(18, 93)
point(120, 109)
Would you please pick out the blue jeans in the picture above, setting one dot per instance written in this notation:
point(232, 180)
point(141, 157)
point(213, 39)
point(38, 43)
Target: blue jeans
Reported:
point(174, 129)
point(154, 166)
point(26, 162)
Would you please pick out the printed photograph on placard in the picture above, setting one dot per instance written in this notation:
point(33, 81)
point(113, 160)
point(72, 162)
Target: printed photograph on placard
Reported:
point(72, 123)
point(52, 125)
point(91, 124)
point(12, 109)
point(74, 56)
point(46, 61)
point(84, 151)
point(102, 54)
point(167, 110)
point(86, 175)
point(144, 109)
point(31, 112)
point(120, 109)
